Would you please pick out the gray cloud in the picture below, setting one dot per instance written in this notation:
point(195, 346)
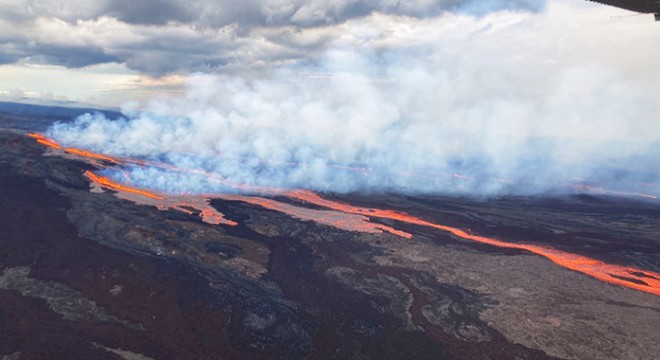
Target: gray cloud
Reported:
point(8, 54)
point(148, 12)
point(70, 56)
point(162, 36)
point(250, 12)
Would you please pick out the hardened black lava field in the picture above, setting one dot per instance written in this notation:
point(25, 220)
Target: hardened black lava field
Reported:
point(89, 275)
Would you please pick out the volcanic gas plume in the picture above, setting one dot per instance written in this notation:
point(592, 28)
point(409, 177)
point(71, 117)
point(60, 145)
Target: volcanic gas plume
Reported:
point(340, 215)
point(457, 105)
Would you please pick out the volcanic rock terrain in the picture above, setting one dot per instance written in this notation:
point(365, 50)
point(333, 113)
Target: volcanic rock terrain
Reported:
point(91, 274)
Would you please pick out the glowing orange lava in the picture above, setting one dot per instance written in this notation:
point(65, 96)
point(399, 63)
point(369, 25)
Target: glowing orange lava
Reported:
point(163, 201)
point(105, 182)
point(349, 217)
point(340, 220)
point(647, 281)
point(90, 155)
point(44, 140)
point(73, 151)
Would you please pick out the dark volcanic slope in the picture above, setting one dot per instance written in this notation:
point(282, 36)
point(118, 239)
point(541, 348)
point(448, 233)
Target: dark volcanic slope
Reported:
point(165, 285)
point(69, 298)
point(87, 275)
point(616, 230)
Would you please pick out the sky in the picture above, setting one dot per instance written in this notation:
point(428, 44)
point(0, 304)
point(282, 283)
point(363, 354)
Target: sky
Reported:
point(109, 52)
point(478, 97)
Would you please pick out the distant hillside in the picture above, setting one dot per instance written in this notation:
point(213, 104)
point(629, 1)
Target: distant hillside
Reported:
point(38, 117)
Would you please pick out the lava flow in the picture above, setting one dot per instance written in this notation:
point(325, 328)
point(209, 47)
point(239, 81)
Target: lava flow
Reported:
point(344, 216)
point(107, 183)
point(338, 219)
point(162, 201)
point(73, 151)
point(634, 278)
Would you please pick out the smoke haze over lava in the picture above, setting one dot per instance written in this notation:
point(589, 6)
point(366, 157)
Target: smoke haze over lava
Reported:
point(339, 215)
point(505, 103)
point(345, 179)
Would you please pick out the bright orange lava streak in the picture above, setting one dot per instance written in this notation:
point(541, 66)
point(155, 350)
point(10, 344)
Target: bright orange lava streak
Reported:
point(44, 140)
point(90, 155)
point(340, 220)
point(649, 281)
point(602, 271)
point(119, 187)
point(84, 153)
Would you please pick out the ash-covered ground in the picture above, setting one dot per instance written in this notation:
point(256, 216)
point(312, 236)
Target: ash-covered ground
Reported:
point(86, 275)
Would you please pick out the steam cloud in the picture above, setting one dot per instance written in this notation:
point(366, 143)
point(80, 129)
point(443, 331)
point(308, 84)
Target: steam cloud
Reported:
point(505, 103)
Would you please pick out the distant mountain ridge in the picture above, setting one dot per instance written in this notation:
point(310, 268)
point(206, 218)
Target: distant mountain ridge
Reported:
point(32, 117)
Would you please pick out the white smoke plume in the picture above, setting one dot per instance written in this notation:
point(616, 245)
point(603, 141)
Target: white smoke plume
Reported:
point(511, 102)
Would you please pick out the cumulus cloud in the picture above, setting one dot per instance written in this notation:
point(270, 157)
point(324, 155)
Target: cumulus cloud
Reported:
point(164, 36)
point(506, 103)
point(249, 12)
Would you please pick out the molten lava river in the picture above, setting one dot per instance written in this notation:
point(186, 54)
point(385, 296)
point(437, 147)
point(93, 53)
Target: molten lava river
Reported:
point(340, 215)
